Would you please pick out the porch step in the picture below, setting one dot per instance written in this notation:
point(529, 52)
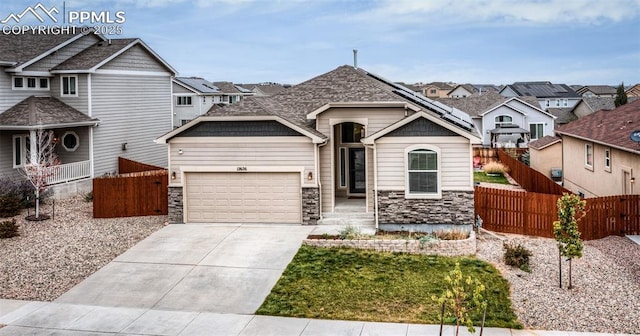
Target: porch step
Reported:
point(347, 218)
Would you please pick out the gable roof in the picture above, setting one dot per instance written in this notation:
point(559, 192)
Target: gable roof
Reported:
point(344, 84)
point(102, 52)
point(542, 90)
point(597, 89)
point(564, 115)
point(18, 49)
point(265, 88)
point(197, 84)
point(608, 127)
point(43, 112)
point(479, 103)
point(228, 87)
point(468, 87)
point(439, 85)
point(544, 142)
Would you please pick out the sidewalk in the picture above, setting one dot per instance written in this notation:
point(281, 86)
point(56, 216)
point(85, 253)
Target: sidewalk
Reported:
point(48, 318)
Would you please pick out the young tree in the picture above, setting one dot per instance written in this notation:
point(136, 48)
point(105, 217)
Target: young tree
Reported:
point(621, 96)
point(462, 295)
point(565, 229)
point(41, 160)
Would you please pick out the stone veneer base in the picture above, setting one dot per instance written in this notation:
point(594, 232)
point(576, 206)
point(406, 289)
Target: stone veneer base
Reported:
point(450, 248)
point(453, 208)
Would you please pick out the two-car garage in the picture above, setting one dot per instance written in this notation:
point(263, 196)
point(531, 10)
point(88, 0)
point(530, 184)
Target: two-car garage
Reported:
point(242, 197)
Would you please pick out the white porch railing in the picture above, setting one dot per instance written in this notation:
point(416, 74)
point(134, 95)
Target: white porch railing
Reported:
point(69, 172)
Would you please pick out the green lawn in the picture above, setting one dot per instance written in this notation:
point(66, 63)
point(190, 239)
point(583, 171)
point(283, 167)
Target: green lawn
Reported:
point(482, 177)
point(366, 285)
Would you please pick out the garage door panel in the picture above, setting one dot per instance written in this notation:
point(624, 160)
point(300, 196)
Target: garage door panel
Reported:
point(243, 197)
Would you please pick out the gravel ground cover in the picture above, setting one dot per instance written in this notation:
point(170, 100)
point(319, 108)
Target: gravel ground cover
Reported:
point(606, 279)
point(50, 257)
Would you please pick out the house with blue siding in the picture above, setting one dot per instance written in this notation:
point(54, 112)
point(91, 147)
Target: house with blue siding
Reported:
point(102, 98)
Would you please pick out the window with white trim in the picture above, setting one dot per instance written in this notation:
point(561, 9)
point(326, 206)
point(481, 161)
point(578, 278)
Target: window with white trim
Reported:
point(183, 101)
point(547, 102)
point(607, 159)
point(557, 102)
point(422, 173)
point(69, 86)
point(433, 91)
point(20, 143)
point(503, 120)
point(30, 83)
point(588, 155)
point(70, 141)
point(536, 130)
point(565, 102)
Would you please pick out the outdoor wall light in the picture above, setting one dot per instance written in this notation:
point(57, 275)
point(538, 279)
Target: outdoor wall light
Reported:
point(180, 151)
point(632, 180)
point(310, 176)
point(124, 146)
point(173, 175)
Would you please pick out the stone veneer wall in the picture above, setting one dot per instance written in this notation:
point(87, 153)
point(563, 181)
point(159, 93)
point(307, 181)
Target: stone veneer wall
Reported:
point(438, 247)
point(310, 206)
point(455, 207)
point(175, 205)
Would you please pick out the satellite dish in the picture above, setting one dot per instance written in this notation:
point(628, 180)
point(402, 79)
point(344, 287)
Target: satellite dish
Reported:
point(635, 136)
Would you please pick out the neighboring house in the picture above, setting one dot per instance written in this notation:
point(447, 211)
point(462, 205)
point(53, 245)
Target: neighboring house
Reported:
point(545, 156)
point(102, 98)
point(564, 115)
point(436, 90)
point(633, 91)
point(415, 88)
point(462, 90)
point(598, 156)
point(265, 89)
point(549, 95)
point(505, 122)
point(194, 96)
point(297, 156)
point(601, 91)
point(589, 105)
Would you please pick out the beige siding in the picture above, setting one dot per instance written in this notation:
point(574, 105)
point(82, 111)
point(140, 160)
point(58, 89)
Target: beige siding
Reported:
point(582, 110)
point(136, 58)
point(133, 110)
point(370, 180)
point(81, 102)
point(376, 119)
point(456, 164)
point(547, 158)
point(63, 54)
point(597, 181)
point(242, 154)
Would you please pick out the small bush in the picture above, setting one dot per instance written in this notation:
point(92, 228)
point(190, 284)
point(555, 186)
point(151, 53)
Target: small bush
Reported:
point(8, 229)
point(494, 168)
point(350, 232)
point(451, 234)
point(517, 256)
point(10, 205)
point(88, 197)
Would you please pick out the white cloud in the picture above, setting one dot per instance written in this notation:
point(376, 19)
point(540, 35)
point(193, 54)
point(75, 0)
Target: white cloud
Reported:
point(547, 12)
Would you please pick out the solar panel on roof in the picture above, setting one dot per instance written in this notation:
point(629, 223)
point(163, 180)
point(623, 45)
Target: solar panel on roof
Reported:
point(241, 89)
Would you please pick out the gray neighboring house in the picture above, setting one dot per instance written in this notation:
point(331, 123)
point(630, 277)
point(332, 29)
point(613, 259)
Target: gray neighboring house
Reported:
point(102, 98)
point(194, 96)
point(549, 95)
point(502, 121)
point(600, 91)
point(346, 136)
point(593, 104)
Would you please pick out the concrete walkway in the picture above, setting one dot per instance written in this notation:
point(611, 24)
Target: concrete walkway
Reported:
point(196, 280)
point(47, 318)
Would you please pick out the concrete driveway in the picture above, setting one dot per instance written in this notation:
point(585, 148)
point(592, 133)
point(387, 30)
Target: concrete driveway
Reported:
point(218, 268)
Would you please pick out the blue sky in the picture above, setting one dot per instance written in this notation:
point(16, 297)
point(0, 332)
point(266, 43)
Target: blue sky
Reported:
point(477, 41)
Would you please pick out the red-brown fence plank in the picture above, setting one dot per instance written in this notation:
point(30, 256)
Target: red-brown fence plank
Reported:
point(530, 179)
point(126, 166)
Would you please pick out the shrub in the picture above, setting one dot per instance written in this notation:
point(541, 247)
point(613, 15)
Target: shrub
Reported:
point(350, 232)
point(494, 168)
point(8, 229)
point(88, 197)
point(451, 234)
point(517, 256)
point(23, 190)
point(10, 205)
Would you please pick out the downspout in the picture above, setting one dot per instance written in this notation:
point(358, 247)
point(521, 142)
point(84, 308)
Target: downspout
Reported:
point(90, 113)
point(317, 154)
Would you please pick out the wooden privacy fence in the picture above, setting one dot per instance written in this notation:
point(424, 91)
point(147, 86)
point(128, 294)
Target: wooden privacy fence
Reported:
point(137, 193)
point(533, 214)
point(529, 178)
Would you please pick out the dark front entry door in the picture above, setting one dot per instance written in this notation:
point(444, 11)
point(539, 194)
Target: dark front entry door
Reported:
point(357, 181)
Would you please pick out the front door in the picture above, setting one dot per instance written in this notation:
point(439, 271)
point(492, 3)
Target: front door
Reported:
point(357, 181)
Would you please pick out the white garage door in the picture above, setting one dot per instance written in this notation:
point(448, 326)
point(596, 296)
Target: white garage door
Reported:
point(243, 197)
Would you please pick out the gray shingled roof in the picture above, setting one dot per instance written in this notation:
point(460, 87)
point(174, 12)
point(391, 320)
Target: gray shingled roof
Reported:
point(227, 87)
point(37, 111)
point(199, 84)
point(344, 84)
point(564, 115)
point(21, 48)
point(597, 89)
point(543, 142)
point(543, 90)
point(94, 55)
point(475, 104)
point(600, 103)
point(439, 85)
point(268, 89)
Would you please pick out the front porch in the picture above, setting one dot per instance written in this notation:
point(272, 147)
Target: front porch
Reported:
point(68, 172)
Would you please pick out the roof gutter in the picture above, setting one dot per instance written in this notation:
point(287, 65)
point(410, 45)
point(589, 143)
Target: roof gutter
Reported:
point(598, 142)
point(48, 126)
point(7, 63)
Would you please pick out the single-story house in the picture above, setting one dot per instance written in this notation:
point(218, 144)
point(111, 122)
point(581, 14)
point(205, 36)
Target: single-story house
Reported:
point(546, 156)
point(346, 135)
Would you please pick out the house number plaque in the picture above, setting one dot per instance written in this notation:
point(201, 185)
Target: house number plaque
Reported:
point(241, 169)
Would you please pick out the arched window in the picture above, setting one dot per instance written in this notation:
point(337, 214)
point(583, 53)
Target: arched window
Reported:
point(503, 120)
point(423, 172)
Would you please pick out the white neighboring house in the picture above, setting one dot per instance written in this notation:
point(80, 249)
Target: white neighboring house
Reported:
point(103, 99)
point(194, 96)
point(505, 122)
